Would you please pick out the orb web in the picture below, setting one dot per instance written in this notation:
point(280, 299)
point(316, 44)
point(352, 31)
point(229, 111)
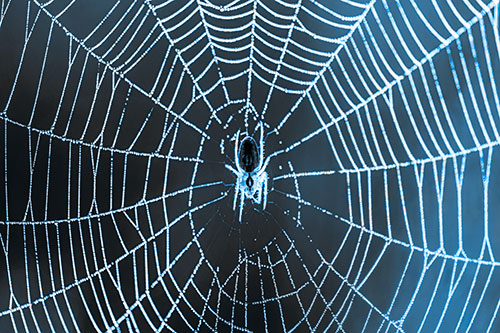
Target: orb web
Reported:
point(117, 120)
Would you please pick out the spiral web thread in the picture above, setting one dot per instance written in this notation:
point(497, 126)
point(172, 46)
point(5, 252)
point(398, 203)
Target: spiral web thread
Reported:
point(404, 94)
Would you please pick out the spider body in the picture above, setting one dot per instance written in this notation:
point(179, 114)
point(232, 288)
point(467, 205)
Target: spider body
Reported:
point(249, 158)
point(248, 154)
point(251, 177)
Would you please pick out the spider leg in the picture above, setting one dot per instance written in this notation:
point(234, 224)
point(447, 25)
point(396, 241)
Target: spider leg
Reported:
point(236, 191)
point(236, 147)
point(265, 191)
point(241, 203)
point(264, 166)
point(261, 159)
point(231, 169)
point(259, 195)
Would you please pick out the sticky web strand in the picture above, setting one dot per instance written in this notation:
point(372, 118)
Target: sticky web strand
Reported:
point(382, 65)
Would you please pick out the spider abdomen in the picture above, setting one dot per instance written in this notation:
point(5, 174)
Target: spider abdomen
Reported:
point(248, 154)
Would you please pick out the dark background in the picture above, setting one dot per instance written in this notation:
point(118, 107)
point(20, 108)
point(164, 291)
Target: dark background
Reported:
point(116, 209)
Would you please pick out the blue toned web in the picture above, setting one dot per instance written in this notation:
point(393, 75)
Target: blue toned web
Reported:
point(380, 121)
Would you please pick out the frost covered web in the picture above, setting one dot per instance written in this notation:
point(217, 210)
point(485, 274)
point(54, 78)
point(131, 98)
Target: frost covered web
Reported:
point(381, 122)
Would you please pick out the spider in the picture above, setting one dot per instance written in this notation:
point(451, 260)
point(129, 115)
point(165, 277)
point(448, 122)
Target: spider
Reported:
point(251, 177)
